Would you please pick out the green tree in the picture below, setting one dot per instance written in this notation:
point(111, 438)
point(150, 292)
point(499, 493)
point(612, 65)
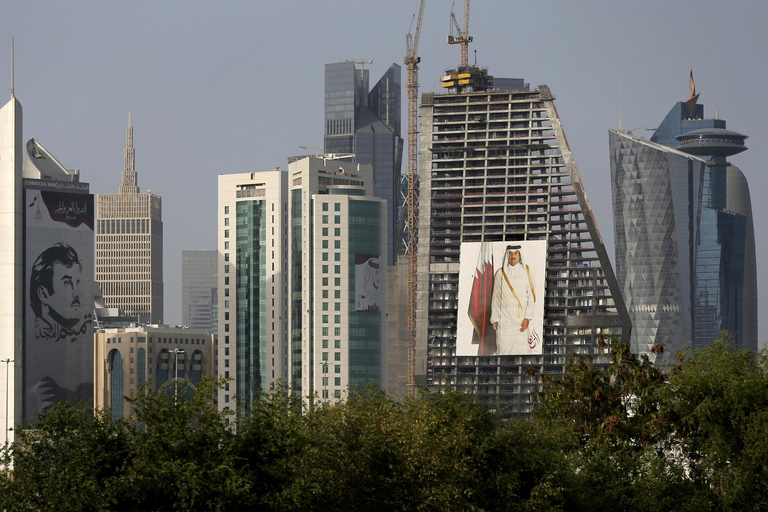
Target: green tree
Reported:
point(716, 404)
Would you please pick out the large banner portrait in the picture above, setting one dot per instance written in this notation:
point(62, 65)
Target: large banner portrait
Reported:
point(367, 282)
point(501, 298)
point(59, 273)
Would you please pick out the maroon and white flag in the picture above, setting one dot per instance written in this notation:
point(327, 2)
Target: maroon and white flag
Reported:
point(480, 303)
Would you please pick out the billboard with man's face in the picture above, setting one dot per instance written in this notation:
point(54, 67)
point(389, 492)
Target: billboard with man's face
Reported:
point(501, 298)
point(59, 272)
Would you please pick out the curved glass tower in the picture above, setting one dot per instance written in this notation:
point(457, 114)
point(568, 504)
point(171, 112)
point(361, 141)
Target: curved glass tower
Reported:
point(685, 249)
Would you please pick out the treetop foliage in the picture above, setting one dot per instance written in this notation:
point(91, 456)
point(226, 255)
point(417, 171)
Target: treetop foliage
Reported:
point(622, 437)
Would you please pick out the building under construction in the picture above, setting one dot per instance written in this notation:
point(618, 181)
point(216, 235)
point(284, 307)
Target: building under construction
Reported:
point(495, 166)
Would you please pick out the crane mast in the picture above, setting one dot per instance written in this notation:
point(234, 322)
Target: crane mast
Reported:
point(462, 37)
point(411, 61)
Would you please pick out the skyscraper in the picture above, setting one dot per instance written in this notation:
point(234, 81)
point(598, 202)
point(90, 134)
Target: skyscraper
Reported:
point(685, 250)
point(11, 263)
point(367, 124)
point(337, 277)
point(302, 280)
point(499, 189)
point(199, 290)
point(252, 283)
point(129, 244)
point(46, 273)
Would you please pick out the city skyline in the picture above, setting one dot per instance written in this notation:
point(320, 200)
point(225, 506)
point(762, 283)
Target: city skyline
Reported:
point(199, 100)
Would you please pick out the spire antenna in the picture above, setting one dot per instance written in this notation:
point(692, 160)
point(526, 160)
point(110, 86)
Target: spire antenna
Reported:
point(12, 69)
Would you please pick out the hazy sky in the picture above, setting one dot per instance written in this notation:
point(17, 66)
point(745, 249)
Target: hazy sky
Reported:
point(225, 87)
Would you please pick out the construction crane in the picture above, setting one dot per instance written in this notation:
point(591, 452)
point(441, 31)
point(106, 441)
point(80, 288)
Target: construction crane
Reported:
point(411, 62)
point(462, 37)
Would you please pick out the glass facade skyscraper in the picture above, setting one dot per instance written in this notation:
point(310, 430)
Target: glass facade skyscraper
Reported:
point(368, 124)
point(685, 252)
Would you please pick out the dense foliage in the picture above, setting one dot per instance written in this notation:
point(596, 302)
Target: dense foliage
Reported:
point(626, 437)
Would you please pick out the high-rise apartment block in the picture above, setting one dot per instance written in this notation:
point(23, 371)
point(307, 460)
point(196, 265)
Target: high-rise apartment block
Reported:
point(302, 291)
point(199, 290)
point(337, 277)
point(366, 124)
point(252, 283)
point(129, 245)
point(498, 182)
point(685, 245)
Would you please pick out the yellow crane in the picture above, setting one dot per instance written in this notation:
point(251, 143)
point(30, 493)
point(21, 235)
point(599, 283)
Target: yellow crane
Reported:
point(411, 62)
point(462, 37)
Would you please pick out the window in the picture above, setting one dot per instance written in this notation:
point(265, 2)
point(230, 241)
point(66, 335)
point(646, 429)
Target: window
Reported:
point(226, 233)
point(325, 331)
point(226, 221)
point(325, 207)
point(337, 343)
point(337, 368)
point(336, 393)
point(337, 244)
point(325, 231)
point(325, 319)
point(325, 269)
point(337, 381)
point(226, 280)
point(325, 294)
point(337, 231)
point(226, 256)
point(226, 210)
point(325, 281)
point(337, 294)
point(226, 246)
point(337, 281)
point(325, 255)
point(337, 319)
point(337, 269)
point(226, 304)
point(325, 356)
point(337, 219)
point(226, 315)
point(325, 343)
point(337, 256)
point(337, 306)
point(226, 269)
point(325, 219)
point(325, 305)
point(226, 292)
point(325, 244)
point(337, 207)
point(337, 356)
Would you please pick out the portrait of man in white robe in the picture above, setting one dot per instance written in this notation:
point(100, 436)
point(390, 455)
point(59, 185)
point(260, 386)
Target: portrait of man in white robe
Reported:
point(512, 305)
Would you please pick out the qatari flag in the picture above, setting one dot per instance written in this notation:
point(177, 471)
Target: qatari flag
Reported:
point(480, 303)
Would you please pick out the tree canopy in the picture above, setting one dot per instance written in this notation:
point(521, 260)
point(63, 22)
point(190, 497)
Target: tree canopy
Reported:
point(622, 437)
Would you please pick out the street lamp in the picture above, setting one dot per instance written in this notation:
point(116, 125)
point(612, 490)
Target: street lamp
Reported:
point(7, 362)
point(176, 353)
point(325, 380)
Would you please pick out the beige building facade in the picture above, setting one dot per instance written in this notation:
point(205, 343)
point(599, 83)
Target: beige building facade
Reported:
point(129, 245)
point(127, 359)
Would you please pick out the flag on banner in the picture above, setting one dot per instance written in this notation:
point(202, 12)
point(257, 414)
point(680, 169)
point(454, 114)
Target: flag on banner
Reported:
point(480, 302)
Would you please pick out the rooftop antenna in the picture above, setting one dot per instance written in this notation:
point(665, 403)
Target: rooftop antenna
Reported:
point(621, 112)
point(12, 67)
